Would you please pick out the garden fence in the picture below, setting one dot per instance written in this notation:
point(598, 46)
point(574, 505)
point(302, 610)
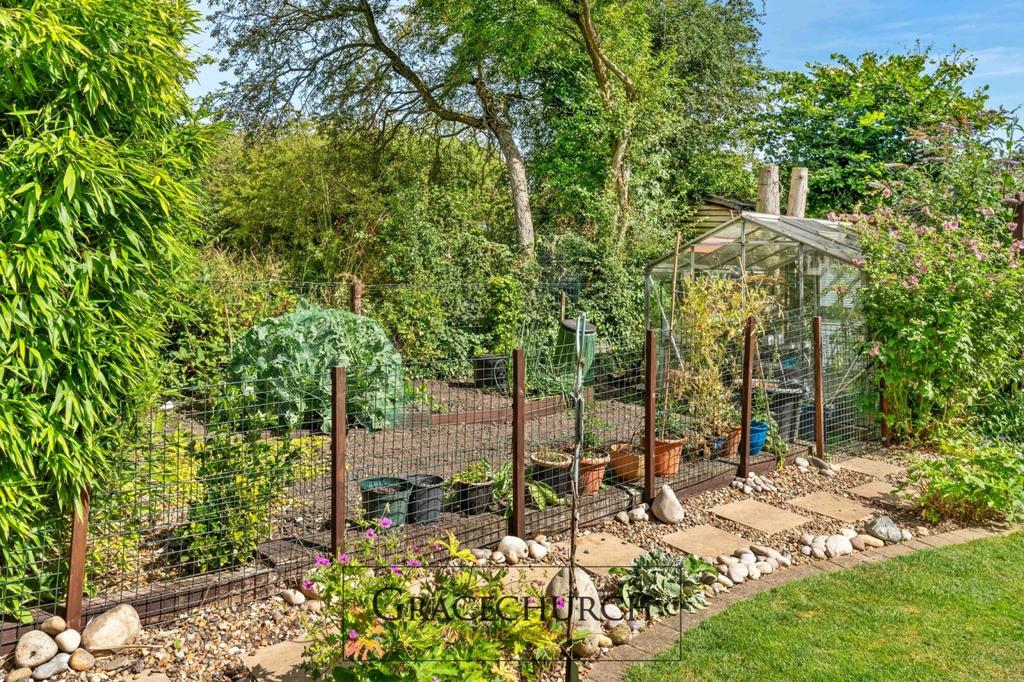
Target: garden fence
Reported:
point(232, 488)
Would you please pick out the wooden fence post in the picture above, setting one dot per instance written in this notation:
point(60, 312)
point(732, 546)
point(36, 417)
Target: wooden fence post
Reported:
point(357, 297)
point(76, 569)
point(650, 427)
point(747, 400)
point(819, 392)
point(768, 200)
point(339, 428)
point(517, 521)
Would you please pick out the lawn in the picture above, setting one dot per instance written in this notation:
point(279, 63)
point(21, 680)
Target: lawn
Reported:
point(953, 613)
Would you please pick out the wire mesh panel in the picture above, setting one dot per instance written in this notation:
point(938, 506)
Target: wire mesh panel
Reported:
point(851, 395)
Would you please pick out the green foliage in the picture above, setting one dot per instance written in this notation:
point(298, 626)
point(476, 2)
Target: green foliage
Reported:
point(851, 121)
point(287, 361)
point(539, 494)
point(970, 483)
point(506, 313)
point(661, 582)
point(490, 639)
point(480, 471)
point(98, 148)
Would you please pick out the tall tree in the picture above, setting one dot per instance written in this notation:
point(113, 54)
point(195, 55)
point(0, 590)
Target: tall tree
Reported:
point(852, 122)
point(458, 62)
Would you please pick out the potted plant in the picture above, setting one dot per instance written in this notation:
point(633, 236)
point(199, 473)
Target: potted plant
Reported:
point(593, 458)
point(669, 439)
point(474, 487)
point(627, 461)
point(552, 467)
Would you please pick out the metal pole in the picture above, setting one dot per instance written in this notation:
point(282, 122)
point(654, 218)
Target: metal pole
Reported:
point(339, 427)
point(76, 570)
point(517, 522)
point(747, 401)
point(650, 427)
point(819, 392)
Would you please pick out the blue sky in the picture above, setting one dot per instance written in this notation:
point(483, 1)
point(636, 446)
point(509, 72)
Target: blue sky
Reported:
point(798, 31)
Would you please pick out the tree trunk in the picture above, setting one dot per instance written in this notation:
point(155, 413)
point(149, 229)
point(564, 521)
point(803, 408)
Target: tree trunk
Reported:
point(520, 188)
point(621, 172)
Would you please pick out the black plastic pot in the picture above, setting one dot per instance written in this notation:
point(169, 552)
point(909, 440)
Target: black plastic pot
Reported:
point(425, 501)
point(474, 498)
point(784, 402)
point(490, 371)
point(384, 496)
point(558, 477)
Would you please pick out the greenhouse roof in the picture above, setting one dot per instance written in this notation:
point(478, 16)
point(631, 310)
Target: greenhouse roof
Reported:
point(765, 233)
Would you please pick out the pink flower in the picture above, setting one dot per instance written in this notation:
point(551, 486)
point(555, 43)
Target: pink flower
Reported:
point(895, 234)
point(925, 210)
point(322, 561)
point(987, 212)
point(1011, 226)
point(343, 558)
point(951, 225)
point(352, 634)
point(874, 350)
point(415, 563)
point(370, 533)
point(912, 281)
point(386, 523)
point(921, 267)
point(832, 217)
point(886, 193)
point(307, 584)
point(396, 570)
point(857, 262)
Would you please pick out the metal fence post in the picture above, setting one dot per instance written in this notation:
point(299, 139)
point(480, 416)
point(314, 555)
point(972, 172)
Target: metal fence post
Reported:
point(339, 427)
point(76, 569)
point(650, 427)
point(517, 521)
point(747, 400)
point(819, 392)
point(357, 296)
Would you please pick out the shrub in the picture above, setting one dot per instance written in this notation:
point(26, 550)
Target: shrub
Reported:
point(427, 643)
point(970, 483)
point(290, 356)
point(660, 582)
point(97, 208)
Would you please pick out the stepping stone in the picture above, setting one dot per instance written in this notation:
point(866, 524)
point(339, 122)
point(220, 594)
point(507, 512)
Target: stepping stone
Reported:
point(519, 577)
point(833, 506)
point(760, 516)
point(705, 541)
point(278, 663)
point(880, 492)
point(599, 552)
point(871, 467)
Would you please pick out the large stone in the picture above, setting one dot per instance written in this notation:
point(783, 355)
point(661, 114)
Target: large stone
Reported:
point(738, 573)
point(611, 612)
point(34, 648)
point(837, 546)
point(764, 567)
point(293, 597)
point(620, 634)
point(537, 550)
point(586, 647)
point(55, 666)
point(883, 528)
point(666, 507)
point(858, 543)
point(81, 660)
point(586, 609)
point(481, 554)
point(768, 552)
point(871, 541)
point(68, 640)
point(515, 549)
point(119, 626)
point(19, 675)
point(819, 464)
point(54, 625)
point(623, 518)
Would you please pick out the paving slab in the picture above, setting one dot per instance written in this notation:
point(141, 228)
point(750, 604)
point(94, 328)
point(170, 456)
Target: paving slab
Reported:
point(705, 541)
point(881, 492)
point(519, 577)
point(598, 552)
point(760, 516)
point(278, 663)
point(833, 506)
point(871, 467)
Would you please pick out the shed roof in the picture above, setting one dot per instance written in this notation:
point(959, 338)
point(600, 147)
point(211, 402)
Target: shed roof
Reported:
point(830, 238)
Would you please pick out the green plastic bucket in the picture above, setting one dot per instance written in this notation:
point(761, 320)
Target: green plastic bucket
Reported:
point(565, 350)
point(384, 496)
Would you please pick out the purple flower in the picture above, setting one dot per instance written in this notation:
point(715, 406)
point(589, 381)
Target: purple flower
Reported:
point(396, 570)
point(307, 584)
point(560, 603)
point(415, 563)
point(386, 523)
point(912, 281)
point(895, 234)
point(370, 533)
point(322, 561)
point(951, 225)
point(874, 350)
point(343, 558)
point(352, 634)
point(1011, 226)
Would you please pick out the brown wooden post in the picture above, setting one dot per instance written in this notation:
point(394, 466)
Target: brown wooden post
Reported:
point(517, 521)
point(747, 400)
point(768, 200)
point(796, 203)
point(76, 570)
point(339, 428)
point(819, 392)
point(357, 297)
point(650, 427)
point(1018, 232)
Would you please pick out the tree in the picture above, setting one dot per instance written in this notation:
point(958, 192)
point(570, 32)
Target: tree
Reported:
point(455, 62)
point(851, 121)
point(97, 206)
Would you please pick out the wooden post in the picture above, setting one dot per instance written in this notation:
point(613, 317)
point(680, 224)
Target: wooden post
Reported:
point(357, 296)
point(517, 521)
point(339, 428)
point(819, 392)
point(1018, 232)
point(650, 427)
point(76, 569)
point(747, 400)
point(768, 190)
point(796, 202)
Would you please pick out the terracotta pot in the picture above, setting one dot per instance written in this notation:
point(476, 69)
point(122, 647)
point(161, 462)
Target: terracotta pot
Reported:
point(667, 454)
point(627, 462)
point(732, 442)
point(591, 475)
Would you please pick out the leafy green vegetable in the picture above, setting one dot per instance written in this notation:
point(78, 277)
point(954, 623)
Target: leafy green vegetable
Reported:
point(660, 582)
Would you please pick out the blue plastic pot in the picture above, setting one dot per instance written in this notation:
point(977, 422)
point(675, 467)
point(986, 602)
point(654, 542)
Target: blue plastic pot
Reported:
point(758, 435)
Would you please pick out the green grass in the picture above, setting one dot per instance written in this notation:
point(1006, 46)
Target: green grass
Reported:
point(949, 614)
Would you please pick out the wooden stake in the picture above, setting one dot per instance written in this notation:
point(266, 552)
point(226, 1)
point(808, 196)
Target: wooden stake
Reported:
point(747, 400)
point(1018, 232)
point(339, 428)
point(517, 521)
point(796, 203)
point(768, 190)
point(650, 390)
point(357, 297)
point(819, 392)
point(76, 569)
